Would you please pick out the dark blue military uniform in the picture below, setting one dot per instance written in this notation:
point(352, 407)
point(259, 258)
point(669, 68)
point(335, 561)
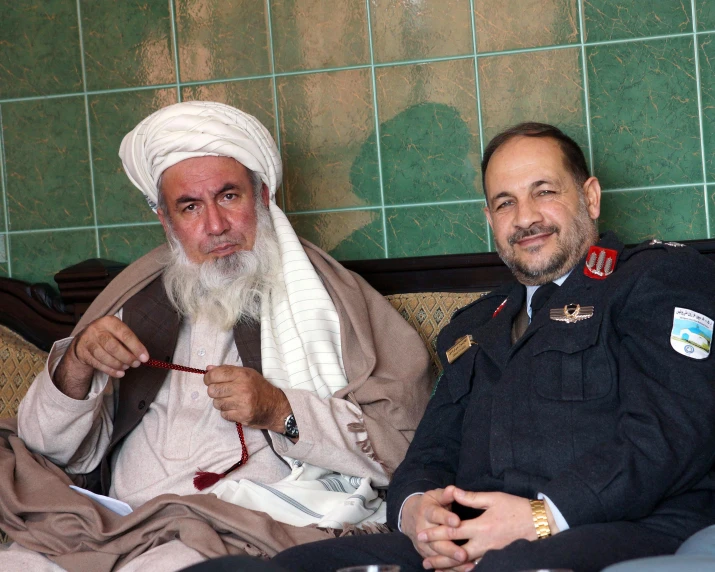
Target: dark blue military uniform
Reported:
point(602, 415)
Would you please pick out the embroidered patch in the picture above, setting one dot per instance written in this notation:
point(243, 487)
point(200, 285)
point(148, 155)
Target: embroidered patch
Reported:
point(692, 333)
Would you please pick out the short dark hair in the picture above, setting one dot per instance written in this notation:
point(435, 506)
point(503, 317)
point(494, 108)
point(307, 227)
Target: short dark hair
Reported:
point(574, 159)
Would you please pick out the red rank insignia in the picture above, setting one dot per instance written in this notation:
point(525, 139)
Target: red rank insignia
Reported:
point(600, 262)
point(499, 308)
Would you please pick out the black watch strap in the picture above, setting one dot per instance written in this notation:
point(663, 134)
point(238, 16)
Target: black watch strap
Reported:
point(290, 427)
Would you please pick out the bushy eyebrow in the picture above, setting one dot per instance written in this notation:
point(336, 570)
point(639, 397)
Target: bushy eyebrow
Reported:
point(189, 199)
point(532, 186)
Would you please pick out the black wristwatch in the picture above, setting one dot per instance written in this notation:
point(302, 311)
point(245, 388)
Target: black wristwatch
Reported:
point(290, 427)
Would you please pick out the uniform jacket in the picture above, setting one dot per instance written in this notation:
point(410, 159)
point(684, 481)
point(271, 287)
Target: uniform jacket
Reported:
point(602, 415)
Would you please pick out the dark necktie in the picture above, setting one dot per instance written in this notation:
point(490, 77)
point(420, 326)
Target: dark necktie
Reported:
point(540, 297)
point(521, 321)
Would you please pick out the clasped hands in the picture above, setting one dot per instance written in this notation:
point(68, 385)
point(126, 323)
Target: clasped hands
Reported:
point(241, 394)
point(431, 525)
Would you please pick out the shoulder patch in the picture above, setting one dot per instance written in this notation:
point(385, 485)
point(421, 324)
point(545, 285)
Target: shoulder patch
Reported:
point(692, 333)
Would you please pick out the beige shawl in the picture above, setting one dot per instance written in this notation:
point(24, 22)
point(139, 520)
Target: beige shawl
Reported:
point(387, 368)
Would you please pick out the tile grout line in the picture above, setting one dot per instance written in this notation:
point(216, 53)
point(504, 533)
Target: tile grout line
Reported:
point(76, 228)
point(179, 84)
point(378, 207)
point(276, 119)
point(490, 246)
point(3, 184)
point(696, 51)
point(175, 42)
point(89, 130)
point(376, 114)
point(584, 72)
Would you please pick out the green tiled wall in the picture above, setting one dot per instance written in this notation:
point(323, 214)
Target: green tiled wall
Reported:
point(381, 109)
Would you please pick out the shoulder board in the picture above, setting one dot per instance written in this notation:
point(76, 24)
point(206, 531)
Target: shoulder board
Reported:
point(653, 244)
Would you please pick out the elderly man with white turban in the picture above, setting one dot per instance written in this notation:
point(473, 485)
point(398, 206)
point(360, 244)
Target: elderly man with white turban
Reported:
point(293, 387)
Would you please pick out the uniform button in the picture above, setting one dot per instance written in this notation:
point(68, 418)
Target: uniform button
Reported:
point(142, 404)
point(201, 352)
point(194, 395)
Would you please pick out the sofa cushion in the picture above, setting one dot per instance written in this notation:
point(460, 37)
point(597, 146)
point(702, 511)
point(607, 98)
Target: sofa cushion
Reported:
point(20, 362)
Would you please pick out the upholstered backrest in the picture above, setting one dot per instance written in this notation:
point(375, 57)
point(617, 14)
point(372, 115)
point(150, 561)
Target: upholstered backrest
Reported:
point(20, 362)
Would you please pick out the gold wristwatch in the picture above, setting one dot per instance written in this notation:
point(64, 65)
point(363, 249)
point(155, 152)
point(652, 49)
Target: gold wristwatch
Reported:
point(541, 521)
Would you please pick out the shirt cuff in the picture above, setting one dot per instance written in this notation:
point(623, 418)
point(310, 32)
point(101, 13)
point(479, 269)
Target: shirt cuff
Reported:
point(399, 517)
point(555, 512)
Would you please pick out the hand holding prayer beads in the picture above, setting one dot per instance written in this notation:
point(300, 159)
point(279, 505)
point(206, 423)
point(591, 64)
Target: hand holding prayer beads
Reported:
point(106, 345)
point(243, 395)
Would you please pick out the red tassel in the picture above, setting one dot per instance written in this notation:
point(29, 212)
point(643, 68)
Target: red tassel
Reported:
point(204, 479)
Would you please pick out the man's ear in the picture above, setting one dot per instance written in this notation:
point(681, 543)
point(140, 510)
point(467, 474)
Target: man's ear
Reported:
point(592, 194)
point(488, 214)
point(164, 220)
point(265, 195)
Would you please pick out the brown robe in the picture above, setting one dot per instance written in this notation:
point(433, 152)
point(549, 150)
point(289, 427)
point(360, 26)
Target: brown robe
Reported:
point(388, 371)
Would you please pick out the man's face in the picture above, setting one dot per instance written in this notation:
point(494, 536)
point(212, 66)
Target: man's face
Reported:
point(210, 207)
point(541, 220)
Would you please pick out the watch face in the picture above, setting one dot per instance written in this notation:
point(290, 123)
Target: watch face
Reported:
point(290, 426)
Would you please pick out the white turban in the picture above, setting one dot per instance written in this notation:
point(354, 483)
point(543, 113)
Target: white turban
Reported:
point(196, 129)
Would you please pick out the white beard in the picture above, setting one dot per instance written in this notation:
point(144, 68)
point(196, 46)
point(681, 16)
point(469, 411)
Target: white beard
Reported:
point(228, 289)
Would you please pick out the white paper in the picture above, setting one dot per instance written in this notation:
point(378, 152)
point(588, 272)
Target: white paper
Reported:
point(121, 508)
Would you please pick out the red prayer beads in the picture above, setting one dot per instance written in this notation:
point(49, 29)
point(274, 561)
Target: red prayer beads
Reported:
point(204, 479)
point(167, 365)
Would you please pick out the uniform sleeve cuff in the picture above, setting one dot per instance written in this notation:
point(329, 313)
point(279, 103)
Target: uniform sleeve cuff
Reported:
point(555, 512)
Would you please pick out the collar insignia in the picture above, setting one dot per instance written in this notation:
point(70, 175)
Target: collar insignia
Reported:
point(459, 347)
point(499, 308)
point(600, 262)
point(571, 313)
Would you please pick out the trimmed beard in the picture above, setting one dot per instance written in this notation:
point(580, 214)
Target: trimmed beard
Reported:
point(572, 245)
point(229, 289)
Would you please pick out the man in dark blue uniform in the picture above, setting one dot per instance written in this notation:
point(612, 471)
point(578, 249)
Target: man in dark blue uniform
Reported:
point(574, 424)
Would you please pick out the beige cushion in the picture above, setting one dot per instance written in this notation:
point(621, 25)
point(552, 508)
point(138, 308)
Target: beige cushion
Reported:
point(20, 362)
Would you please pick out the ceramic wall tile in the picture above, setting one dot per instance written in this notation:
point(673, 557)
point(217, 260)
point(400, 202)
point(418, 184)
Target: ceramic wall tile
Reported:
point(222, 38)
point(127, 44)
point(439, 229)
point(345, 235)
point(644, 113)
point(707, 87)
point(666, 214)
point(47, 162)
point(38, 256)
point(511, 24)
point(127, 243)
point(419, 30)
point(644, 123)
point(429, 132)
point(544, 86)
point(705, 15)
point(39, 48)
point(609, 20)
point(112, 116)
point(328, 140)
point(314, 34)
point(254, 96)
